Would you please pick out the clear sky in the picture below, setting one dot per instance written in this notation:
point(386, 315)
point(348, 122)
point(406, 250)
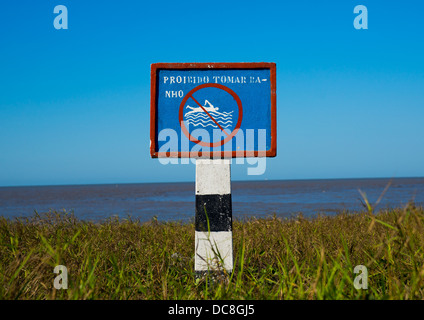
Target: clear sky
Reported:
point(74, 104)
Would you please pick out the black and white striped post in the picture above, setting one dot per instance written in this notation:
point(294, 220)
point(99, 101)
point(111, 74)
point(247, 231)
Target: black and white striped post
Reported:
point(213, 219)
point(243, 88)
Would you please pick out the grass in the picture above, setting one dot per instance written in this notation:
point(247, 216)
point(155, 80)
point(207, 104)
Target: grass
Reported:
point(275, 258)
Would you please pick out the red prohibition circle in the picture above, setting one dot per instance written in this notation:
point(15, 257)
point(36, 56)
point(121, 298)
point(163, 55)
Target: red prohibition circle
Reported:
point(231, 135)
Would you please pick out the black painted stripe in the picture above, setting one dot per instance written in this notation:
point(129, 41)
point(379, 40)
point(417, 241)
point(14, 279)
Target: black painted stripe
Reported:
point(215, 207)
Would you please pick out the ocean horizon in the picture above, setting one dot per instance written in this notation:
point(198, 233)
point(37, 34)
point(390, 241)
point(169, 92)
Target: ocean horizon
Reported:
point(175, 201)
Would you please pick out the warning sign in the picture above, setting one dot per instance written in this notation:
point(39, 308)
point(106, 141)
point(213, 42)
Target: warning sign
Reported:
point(213, 108)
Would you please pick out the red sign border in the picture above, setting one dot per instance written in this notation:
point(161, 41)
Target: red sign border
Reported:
point(155, 67)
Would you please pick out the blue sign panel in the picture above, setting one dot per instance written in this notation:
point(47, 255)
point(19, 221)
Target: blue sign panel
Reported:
point(202, 109)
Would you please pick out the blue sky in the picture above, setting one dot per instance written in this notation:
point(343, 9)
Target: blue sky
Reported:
point(74, 104)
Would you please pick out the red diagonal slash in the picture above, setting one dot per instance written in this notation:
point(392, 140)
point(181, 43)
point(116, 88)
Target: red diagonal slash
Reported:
point(209, 115)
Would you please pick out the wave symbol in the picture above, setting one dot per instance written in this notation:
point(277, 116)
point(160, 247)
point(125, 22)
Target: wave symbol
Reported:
point(197, 117)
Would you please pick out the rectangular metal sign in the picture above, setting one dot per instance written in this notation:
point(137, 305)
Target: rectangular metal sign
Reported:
point(213, 110)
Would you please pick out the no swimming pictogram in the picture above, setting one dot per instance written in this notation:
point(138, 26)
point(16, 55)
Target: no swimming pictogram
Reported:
point(209, 115)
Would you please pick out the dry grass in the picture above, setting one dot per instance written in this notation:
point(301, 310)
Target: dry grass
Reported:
point(295, 258)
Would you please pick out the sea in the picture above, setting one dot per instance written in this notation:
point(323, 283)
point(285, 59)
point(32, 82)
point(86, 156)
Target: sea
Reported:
point(176, 201)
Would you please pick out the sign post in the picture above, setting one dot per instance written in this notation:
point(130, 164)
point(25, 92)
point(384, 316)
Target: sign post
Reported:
point(213, 220)
point(213, 112)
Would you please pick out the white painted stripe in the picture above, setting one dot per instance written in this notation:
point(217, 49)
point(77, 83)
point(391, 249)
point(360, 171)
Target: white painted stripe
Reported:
point(208, 245)
point(213, 176)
